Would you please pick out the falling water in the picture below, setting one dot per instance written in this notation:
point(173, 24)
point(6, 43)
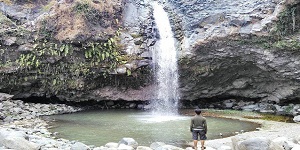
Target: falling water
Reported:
point(165, 60)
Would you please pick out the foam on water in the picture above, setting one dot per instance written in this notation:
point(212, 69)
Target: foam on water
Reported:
point(150, 118)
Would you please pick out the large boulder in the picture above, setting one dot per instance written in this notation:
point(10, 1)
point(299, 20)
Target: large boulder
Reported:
point(111, 145)
point(18, 143)
point(296, 147)
point(256, 143)
point(129, 142)
point(297, 118)
point(3, 133)
point(297, 140)
point(284, 142)
point(125, 147)
point(79, 146)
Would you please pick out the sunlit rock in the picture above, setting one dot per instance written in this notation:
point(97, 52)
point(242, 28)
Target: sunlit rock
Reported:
point(284, 142)
point(18, 143)
point(143, 148)
point(129, 142)
point(296, 147)
point(125, 147)
point(297, 118)
point(111, 145)
point(4, 96)
point(156, 145)
point(79, 146)
point(261, 143)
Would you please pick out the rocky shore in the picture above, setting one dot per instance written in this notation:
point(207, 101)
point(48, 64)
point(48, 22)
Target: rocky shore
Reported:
point(21, 128)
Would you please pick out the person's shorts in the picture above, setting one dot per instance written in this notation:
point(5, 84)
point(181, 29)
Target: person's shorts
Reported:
point(199, 133)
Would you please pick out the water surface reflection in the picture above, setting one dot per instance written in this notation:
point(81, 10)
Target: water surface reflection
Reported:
point(99, 127)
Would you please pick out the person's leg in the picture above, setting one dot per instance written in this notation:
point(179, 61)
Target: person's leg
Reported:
point(202, 144)
point(202, 139)
point(195, 144)
point(195, 138)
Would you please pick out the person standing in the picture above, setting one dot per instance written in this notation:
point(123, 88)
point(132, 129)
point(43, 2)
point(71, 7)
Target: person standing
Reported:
point(198, 128)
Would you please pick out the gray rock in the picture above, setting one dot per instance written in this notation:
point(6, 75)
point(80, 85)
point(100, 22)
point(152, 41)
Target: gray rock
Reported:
point(224, 147)
point(229, 103)
point(143, 148)
point(121, 70)
point(131, 66)
point(296, 147)
point(146, 55)
point(257, 143)
point(129, 141)
point(21, 134)
point(100, 148)
point(284, 142)
point(297, 139)
point(132, 105)
point(297, 118)
point(147, 107)
point(111, 145)
point(3, 134)
point(168, 147)
point(18, 143)
point(125, 147)
point(240, 83)
point(140, 106)
point(9, 41)
point(267, 108)
point(110, 103)
point(4, 96)
point(251, 108)
point(26, 47)
point(296, 110)
point(156, 145)
point(79, 146)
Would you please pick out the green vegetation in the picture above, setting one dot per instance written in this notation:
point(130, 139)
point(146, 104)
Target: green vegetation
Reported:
point(105, 53)
point(136, 35)
point(230, 112)
point(277, 118)
point(246, 114)
point(286, 24)
point(291, 44)
point(82, 8)
point(77, 48)
point(46, 31)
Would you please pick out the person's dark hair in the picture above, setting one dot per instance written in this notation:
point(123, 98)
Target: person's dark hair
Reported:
point(198, 111)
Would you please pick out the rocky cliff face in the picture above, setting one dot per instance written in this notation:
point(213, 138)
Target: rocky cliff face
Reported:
point(68, 50)
point(96, 50)
point(237, 50)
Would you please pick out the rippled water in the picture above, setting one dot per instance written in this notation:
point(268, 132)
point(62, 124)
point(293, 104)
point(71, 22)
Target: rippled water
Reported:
point(100, 127)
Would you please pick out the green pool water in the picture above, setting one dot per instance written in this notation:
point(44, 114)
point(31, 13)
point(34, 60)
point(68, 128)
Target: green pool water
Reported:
point(99, 127)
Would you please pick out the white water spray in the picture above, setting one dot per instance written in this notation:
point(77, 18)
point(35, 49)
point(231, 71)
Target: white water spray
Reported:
point(165, 60)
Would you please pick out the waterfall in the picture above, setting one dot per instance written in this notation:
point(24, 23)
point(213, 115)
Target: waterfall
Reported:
point(165, 61)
